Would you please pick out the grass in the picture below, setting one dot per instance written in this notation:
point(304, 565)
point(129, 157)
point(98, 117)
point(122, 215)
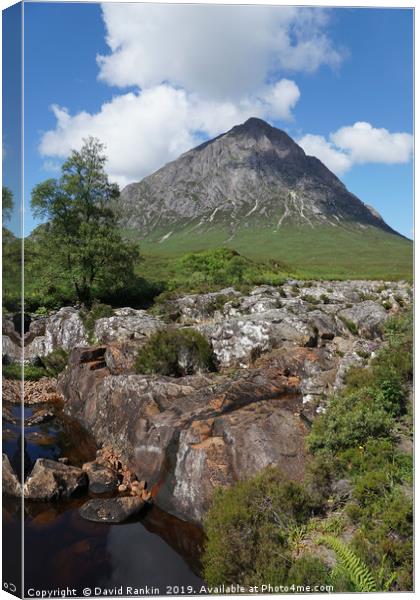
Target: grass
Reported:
point(324, 252)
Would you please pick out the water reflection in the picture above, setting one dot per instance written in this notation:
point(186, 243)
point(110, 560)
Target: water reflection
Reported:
point(63, 550)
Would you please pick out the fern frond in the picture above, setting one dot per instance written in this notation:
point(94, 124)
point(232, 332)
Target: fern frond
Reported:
point(356, 570)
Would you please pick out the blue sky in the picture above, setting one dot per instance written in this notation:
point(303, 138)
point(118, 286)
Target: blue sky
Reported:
point(338, 81)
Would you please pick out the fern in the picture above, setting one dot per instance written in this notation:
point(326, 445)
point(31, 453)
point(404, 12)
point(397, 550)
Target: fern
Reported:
point(356, 570)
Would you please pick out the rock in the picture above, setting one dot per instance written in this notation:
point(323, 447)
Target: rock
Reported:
point(11, 350)
point(195, 308)
point(10, 482)
point(8, 416)
point(122, 488)
point(102, 479)
point(50, 480)
point(111, 510)
point(64, 460)
point(341, 490)
point(63, 329)
point(43, 391)
point(368, 317)
point(127, 324)
point(40, 416)
point(239, 341)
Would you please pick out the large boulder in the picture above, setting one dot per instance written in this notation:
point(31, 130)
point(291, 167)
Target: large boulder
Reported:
point(10, 482)
point(239, 341)
point(188, 435)
point(51, 480)
point(126, 324)
point(63, 329)
point(367, 317)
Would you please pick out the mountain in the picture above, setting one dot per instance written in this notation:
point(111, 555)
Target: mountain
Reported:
point(253, 189)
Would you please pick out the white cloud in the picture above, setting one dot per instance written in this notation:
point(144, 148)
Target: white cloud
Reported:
point(215, 51)
point(144, 130)
point(197, 71)
point(359, 143)
point(365, 143)
point(316, 145)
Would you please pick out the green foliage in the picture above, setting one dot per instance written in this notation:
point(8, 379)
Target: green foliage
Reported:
point(247, 529)
point(6, 203)
point(356, 570)
point(54, 362)
point(308, 570)
point(81, 241)
point(48, 366)
point(32, 372)
point(175, 352)
point(222, 267)
point(356, 440)
point(309, 253)
point(89, 317)
point(351, 326)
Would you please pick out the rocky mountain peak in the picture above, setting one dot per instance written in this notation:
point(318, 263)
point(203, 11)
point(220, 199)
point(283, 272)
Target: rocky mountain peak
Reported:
point(254, 175)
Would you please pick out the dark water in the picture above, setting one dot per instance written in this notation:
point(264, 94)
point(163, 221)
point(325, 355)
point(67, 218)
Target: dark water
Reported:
point(153, 553)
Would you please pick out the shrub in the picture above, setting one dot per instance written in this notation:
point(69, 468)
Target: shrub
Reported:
point(48, 366)
point(247, 529)
point(55, 362)
point(175, 352)
point(308, 571)
point(89, 317)
point(32, 372)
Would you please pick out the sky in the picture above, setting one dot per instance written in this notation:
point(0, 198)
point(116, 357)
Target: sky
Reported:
point(152, 81)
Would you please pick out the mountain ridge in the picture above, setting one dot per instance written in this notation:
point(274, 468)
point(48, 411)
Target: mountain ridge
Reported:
point(252, 176)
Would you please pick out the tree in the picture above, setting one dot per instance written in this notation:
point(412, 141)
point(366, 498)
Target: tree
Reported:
point(6, 203)
point(82, 234)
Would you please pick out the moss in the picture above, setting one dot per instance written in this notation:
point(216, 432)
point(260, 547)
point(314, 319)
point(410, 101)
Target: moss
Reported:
point(175, 352)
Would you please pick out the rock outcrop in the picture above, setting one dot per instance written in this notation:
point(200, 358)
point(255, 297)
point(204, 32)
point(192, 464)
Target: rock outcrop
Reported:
point(51, 480)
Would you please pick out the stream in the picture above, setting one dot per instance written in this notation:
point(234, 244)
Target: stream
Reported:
point(154, 553)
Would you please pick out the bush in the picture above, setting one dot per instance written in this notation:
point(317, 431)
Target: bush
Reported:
point(247, 529)
point(55, 362)
point(32, 372)
point(48, 366)
point(175, 352)
point(308, 570)
point(89, 317)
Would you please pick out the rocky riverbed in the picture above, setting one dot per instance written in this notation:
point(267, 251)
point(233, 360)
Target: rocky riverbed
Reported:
point(281, 351)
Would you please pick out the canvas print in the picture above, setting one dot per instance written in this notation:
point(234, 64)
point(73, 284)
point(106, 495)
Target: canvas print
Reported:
point(207, 299)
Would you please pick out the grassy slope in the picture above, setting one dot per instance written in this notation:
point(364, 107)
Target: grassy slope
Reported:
point(306, 252)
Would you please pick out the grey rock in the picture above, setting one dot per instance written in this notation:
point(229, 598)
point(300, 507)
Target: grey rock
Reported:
point(102, 479)
point(10, 482)
point(126, 324)
point(51, 480)
point(112, 510)
point(368, 317)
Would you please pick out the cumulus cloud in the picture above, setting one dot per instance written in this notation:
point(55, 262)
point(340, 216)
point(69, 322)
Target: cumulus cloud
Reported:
point(359, 143)
point(316, 145)
point(197, 70)
point(365, 143)
point(215, 51)
point(143, 130)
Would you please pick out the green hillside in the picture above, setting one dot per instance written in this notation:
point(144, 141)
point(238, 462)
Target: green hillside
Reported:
point(322, 252)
